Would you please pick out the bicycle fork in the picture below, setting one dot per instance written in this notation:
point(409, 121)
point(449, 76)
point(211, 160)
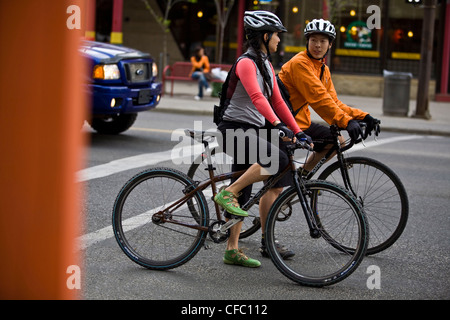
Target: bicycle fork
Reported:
point(346, 176)
point(313, 228)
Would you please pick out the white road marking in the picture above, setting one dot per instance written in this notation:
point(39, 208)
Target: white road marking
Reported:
point(89, 239)
point(146, 159)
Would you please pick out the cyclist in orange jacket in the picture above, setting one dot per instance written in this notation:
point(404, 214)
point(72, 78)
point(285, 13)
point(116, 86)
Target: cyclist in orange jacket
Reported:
point(308, 80)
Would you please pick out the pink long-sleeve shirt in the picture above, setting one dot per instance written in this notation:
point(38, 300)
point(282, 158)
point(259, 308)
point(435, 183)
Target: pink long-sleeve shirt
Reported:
point(246, 72)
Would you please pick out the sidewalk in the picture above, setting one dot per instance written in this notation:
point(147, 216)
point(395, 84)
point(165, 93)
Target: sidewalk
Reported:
point(439, 124)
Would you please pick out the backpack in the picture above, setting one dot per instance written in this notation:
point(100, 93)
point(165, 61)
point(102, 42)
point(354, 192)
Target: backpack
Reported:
point(227, 91)
point(229, 86)
point(287, 97)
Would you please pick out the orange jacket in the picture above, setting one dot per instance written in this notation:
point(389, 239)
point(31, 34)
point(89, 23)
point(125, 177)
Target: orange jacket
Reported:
point(301, 76)
point(202, 64)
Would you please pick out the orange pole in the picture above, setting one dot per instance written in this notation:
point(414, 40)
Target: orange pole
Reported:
point(42, 106)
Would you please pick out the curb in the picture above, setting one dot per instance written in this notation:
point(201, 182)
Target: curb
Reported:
point(383, 128)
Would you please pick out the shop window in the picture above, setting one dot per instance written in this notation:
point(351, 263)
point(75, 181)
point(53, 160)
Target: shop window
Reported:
point(405, 31)
point(297, 14)
point(354, 37)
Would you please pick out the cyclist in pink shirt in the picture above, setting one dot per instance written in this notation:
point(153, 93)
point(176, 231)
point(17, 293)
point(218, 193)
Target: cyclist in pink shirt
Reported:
point(256, 104)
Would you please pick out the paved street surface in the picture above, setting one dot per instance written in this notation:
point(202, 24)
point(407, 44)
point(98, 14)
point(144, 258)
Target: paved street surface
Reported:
point(416, 267)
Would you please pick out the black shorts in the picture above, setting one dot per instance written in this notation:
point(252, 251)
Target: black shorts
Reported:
point(320, 132)
point(252, 146)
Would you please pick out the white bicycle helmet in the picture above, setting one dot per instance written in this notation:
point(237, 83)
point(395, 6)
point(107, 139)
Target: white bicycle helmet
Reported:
point(320, 26)
point(261, 20)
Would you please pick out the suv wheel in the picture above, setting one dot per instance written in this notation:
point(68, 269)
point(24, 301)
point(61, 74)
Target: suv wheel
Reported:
point(113, 124)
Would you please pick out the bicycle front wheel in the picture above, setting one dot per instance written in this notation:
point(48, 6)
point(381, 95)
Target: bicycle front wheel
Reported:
point(382, 195)
point(323, 258)
point(147, 239)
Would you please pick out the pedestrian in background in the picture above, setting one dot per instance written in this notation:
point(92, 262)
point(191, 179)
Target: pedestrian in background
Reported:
point(200, 70)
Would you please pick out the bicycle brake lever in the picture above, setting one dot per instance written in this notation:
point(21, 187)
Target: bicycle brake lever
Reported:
point(304, 144)
point(377, 128)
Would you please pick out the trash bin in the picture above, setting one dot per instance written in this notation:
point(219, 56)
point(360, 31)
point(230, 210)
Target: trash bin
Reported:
point(397, 87)
point(219, 74)
point(216, 88)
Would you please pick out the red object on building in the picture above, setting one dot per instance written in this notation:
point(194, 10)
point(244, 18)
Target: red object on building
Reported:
point(116, 30)
point(90, 20)
point(443, 94)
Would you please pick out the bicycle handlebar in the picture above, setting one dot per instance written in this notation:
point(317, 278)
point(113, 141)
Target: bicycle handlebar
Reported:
point(364, 134)
point(302, 144)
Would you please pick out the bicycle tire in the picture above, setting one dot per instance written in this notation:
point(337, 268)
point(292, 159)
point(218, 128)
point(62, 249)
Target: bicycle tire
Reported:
point(381, 193)
point(142, 236)
point(222, 164)
point(341, 220)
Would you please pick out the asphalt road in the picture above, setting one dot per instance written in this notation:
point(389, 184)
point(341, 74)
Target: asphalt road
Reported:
point(416, 267)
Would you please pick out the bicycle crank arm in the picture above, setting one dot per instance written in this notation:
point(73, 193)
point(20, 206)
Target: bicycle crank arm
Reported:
point(229, 224)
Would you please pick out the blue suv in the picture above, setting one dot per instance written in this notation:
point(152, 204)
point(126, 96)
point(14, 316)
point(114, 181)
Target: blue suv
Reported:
point(121, 82)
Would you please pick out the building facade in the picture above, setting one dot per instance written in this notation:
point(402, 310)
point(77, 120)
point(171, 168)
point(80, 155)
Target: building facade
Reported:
point(372, 35)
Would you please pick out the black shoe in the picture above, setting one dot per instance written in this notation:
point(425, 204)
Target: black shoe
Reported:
point(284, 252)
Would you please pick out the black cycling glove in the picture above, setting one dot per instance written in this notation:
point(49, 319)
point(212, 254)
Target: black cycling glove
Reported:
point(354, 130)
point(301, 136)
point(371, 125)
point(284, 131)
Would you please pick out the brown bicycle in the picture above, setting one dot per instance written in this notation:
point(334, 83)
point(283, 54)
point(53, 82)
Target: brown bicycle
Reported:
point(161, 220)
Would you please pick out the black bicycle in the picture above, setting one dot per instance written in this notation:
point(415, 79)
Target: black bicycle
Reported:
point(377, 187)
point(161, 219)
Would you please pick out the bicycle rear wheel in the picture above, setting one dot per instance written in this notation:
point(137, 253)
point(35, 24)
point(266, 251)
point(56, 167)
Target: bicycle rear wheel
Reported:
point(381, 193)
point(222, 164)
point(145, 238)
point(324, 259)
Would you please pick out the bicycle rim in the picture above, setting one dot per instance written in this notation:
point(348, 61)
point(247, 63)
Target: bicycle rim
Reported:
point(222, 164)
point(323, 260)
point(381, 193)
point(147, 240)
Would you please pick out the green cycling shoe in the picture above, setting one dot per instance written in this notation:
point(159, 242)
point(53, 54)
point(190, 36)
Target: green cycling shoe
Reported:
point(237, 257)
point(228, 201)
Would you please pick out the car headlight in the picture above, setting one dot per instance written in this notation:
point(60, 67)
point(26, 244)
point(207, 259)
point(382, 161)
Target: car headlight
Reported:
point(106, 72)
point(154, 70)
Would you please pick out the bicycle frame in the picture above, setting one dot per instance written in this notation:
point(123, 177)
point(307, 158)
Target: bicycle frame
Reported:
point(340, 158)
point(165, 214)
